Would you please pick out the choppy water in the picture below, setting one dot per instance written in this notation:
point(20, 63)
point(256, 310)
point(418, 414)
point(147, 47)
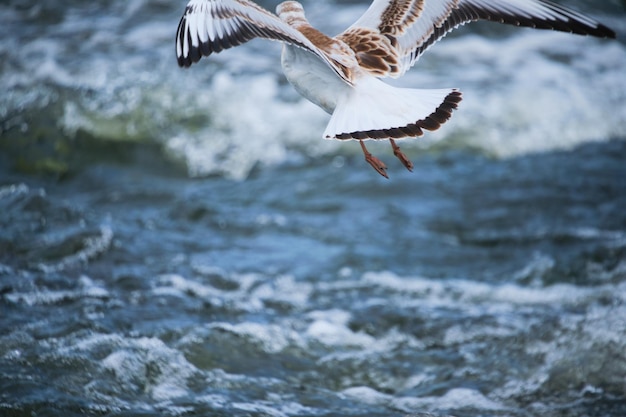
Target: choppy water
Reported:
point(183, 242)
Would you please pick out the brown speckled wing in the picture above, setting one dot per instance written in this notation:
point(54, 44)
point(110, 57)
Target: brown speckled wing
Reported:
point(411, 26)
point(373, 51)
point(399, 15)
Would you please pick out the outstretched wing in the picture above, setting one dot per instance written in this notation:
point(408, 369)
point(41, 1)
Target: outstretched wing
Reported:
point(210, 26)
point(411, 26)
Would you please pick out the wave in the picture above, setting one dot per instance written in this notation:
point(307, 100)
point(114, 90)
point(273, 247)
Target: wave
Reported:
point(529, 91)
point(576, 344)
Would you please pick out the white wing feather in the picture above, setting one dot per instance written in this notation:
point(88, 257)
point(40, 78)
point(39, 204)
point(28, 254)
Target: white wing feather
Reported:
point(210, 26)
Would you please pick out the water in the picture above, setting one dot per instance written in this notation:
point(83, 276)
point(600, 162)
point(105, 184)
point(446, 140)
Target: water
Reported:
point(183, 242)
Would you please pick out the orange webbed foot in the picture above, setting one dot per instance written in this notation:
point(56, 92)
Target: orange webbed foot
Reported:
point(376, 163)
point(401, 156)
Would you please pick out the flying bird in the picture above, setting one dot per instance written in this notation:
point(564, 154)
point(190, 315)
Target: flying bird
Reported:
point(342, 74)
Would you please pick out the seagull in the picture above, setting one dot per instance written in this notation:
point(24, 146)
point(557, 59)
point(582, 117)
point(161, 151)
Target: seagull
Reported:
point(343, 74)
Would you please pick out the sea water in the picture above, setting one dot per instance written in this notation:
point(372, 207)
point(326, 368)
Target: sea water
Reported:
point(183, 242)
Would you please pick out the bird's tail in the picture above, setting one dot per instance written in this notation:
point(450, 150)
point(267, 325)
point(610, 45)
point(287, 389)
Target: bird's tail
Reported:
point(372, 109)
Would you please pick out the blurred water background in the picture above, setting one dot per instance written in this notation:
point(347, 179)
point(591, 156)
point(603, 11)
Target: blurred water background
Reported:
point(183, 242)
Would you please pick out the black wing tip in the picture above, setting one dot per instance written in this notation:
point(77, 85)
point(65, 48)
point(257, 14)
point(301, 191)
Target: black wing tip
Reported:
point(194, 55)
point(578, 23)
point(182, 62)
point(605, 32)
point(577, 28)
point(564, 20)
point(208, 47)
point(184, 36)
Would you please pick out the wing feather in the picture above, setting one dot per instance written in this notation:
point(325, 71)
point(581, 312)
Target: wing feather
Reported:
point(414, 25)
point(210, 26)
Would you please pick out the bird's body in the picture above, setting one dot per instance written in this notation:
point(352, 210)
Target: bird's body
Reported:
point(342, 74)
point(312, 78)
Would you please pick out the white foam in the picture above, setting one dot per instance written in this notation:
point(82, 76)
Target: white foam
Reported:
point(129, 364)
point(284, 289)
point(88, 289)
point(588, 350)
point(249, 125)
point(272, 338)
point(459, 334)
point(455, 399)
point(93, 246)
point(533, 92)
point(460, 292)
point(276, 406)
point(214, 400)
point(177, 285)
point(90, 342)
point(252, 291)
point(330, 327)
point(333, 334)
point(367, 395)
point(13, 190)
point(263, 409)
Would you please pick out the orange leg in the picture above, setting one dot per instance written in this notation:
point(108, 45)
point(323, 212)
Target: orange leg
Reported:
point(401, 156)
point(376, 163)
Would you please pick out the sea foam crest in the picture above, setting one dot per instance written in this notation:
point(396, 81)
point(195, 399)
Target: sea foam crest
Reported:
point(249, 125)
point(532, 92)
